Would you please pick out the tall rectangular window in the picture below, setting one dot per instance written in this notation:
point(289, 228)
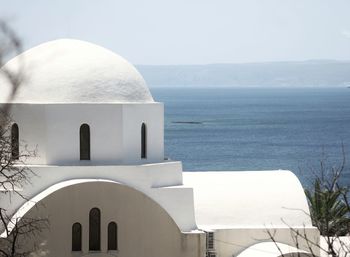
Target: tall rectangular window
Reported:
point(84, 142)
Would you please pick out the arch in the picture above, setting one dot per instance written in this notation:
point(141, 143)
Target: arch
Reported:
point(95, 229)
point(76, 236)
point(28, 205)
point(273, 249)
point(14, 141)
point(112, 236)
point(84, 142)
point(153, 218)
point(143, 141)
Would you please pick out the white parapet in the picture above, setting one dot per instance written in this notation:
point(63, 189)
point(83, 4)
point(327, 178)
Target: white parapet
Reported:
point(162, 182)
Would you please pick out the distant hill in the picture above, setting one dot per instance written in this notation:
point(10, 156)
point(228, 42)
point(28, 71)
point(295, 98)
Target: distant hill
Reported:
point(318, 73)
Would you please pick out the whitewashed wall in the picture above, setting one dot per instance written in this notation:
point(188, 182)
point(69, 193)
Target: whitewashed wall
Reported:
point(133, 117)
point(162, 182)
point(115, 132)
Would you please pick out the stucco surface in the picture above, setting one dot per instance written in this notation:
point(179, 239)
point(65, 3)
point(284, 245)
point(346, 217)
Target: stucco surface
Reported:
point(144, 227)
point(248, 199)
point(115, 132)
point(271, 249)
point(233, 242)
point(152, 180)
point(68, 70)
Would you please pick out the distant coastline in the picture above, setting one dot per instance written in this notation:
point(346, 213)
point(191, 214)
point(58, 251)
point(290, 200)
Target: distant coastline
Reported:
point(315, 73)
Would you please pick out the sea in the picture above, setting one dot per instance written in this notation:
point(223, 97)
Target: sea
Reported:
point(244, 129)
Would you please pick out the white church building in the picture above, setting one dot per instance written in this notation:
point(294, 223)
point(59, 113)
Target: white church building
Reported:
point(103, 182)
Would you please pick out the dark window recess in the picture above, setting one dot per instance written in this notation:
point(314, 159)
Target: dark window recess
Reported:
point(112, 236)
point(95, 230)
point(143, 141)
point(210, 251)
point(76, 237)
point(84, 142)
point(14, 142)
point(210, 240)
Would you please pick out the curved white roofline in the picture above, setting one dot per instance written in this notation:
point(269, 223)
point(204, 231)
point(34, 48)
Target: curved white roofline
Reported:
point(28, 205)
point(69, 70)
point(271, 249)
point(252, 199)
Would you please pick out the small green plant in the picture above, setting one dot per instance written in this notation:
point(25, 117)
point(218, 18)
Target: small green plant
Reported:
point(328, 209)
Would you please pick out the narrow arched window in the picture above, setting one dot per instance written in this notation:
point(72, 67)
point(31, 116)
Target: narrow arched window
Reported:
point(76, 237)
point(143, 141)
point(84, 142)
point(112, 236)
point(95, 230)
point(14, 142)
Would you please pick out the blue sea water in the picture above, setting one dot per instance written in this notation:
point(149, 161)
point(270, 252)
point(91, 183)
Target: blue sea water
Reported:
point(256, 128)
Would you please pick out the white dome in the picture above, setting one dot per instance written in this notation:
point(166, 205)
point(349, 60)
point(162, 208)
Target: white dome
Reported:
point(73, 71)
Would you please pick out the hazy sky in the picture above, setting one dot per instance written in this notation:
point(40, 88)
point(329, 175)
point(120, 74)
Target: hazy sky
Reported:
point(191, 31)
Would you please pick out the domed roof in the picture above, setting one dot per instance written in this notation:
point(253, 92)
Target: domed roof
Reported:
point(74, 71)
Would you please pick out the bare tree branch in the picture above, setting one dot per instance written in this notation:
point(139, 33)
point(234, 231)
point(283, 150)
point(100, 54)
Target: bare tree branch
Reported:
point(14, 174)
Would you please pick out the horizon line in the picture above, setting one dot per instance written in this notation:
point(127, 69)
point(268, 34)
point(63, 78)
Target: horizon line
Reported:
point(258, 62)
